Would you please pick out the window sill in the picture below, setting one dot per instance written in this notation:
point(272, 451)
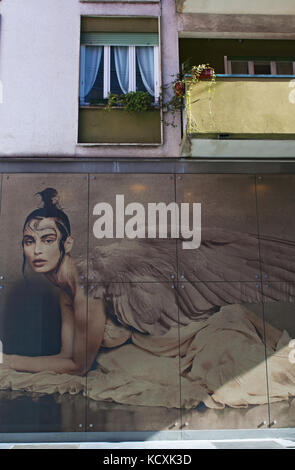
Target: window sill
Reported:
point(118, 108)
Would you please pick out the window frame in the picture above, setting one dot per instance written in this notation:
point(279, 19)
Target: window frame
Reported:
point(251, 71)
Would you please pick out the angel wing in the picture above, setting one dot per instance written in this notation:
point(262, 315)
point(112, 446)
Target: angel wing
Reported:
point(137, 281)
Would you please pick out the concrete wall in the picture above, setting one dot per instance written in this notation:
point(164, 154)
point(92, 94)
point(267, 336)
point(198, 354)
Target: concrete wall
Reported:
point(39, 70)
point(236, 26)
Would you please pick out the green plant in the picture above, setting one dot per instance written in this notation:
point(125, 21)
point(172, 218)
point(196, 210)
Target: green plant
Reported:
point(140, 101)
point(113, 100)
point(137, 101)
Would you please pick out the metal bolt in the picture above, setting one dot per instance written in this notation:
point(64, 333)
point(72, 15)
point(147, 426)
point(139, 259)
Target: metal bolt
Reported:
point(172, 276)
point(7, 177)
point(274, 422)
point(257, 286)
point(186, 423)
point(182, 286)
point(179, 177)
point(176, 423)
point(265, 275)
point(82, 287)
point(1, 287)
point(94, 177)
point(182, 276)
point(1, 277)
point(267, 286)
point(172, 287)
point(260, 178)
point(91, 425)
point(257, 276)
point(80, 425)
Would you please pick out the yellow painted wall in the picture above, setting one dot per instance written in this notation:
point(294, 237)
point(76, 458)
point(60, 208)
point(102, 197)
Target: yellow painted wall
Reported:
point(241, 106)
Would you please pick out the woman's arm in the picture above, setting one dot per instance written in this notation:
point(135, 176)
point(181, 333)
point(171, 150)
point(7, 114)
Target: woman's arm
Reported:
point(83, 324)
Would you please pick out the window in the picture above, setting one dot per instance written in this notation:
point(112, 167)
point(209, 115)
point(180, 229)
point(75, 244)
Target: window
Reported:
point(259, 66)
point(118, 63)
point(119, 54)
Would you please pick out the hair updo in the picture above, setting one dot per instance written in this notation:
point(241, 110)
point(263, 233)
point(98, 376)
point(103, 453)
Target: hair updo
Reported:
point(52, 209)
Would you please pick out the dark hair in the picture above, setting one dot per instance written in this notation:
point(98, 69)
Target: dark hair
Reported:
point(51, 208)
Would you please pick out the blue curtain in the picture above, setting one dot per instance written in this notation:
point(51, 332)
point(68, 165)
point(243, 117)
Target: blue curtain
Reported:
point(145, 60)
point(93, 56)
point(121, 55)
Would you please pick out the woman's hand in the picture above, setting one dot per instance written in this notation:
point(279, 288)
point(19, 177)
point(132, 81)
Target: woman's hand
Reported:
point(6, 360)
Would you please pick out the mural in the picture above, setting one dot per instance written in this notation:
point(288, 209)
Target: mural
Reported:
point(111, 321)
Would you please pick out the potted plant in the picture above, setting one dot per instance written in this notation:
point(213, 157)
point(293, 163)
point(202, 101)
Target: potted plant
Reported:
point(179, 87)
point(203, 72)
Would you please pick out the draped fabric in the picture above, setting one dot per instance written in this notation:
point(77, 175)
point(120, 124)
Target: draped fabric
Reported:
point(121, 55)
point(93, 56)
point(145, 60)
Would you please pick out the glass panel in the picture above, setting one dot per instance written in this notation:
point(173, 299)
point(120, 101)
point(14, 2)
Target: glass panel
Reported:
point(229, 241)
point(276, 203)
point(96, 93)
point(134, 382)
point(223, 370)
point(239, 67)
point(279, 301)
point(285, 68)
point(33, 317)
point(120, 257)
point(119, 73)
point(145, 80)
point(262, 68)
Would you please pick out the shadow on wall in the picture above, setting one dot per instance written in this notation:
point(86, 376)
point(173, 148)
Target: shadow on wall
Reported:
point(30, 322)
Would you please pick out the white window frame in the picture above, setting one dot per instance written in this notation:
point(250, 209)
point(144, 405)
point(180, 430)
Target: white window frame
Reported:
point(132, 70)
point(251, 70)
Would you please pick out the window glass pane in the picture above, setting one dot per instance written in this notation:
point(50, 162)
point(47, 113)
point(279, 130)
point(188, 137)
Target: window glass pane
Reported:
point(139, 83)
point(121, 59)
point(96, 92)
point(239, 67)
point(284, 68)
point(115, 84)
point(262, 68)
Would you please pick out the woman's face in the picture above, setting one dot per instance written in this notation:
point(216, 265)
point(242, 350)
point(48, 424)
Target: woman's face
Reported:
point(41, 244)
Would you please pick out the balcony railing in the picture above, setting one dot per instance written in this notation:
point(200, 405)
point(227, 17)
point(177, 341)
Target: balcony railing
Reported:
point(242, 106)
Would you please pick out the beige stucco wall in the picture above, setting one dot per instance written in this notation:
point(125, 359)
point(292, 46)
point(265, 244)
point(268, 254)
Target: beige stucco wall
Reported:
point(242, 106)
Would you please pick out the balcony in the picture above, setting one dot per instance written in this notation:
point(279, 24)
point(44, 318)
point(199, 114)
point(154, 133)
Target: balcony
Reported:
point(240, 108)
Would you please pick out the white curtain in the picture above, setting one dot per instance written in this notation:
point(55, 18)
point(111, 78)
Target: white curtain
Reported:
point(92, 62)
point(145, 60)
point(121, 55)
